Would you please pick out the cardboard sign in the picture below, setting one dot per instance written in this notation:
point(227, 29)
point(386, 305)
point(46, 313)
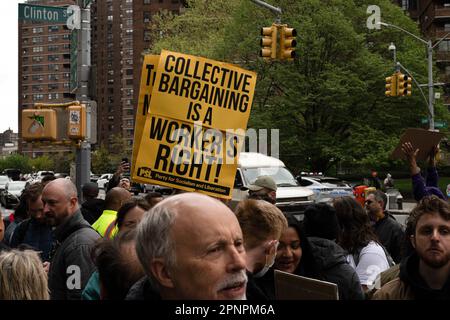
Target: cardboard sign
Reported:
point(421, 139)
point(289, 286)
point(148, 74)
point(196, 125)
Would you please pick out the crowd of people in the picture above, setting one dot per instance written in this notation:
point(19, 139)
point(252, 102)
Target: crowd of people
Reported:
point(193, 246)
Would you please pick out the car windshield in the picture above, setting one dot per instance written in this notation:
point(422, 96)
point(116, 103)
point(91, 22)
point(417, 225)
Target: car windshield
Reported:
point(16, 186)
point(282, 176)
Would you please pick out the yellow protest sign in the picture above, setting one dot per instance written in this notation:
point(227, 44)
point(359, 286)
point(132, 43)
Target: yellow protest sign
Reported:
point(188, 142)
point(188, 156)
point(148, 73)
point(190, 88)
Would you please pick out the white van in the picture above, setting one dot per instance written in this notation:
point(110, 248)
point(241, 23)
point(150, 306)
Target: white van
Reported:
point(291, 197)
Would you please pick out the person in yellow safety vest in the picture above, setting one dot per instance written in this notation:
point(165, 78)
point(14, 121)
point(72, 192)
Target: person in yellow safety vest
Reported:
point(113, 201)
point(128, 216)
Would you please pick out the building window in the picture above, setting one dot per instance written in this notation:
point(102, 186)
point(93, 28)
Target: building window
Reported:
point(147, 35)
point(37, 88)
point(129, 82)
point(110, 18)
point(129, 72)
point(37, 68)
point(53, 57)
point(38, 58)
point(146, 1)
point(53, 28)
point(38, 96)
point(38, 30)
point(52, 38)
point(52, 48)
point(52, 86)
point(53, 67)
point(147, 16)
point(38, 49)
point(37, 39)
point(53, 77)
point(444, 45)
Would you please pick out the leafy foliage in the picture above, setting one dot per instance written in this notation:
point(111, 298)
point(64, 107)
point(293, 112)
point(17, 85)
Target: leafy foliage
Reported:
point(328, 103)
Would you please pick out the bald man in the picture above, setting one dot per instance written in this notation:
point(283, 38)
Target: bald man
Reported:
point(191, 247)
point(113, 201)
point(71, 264)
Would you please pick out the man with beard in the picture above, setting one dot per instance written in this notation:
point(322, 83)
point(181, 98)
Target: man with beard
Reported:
point(425, 274)
point(191, 247)
point(71, 264)
point(264, 188)
point(34, 231)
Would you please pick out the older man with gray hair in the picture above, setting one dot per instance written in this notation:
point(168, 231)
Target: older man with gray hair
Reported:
point(191, 247)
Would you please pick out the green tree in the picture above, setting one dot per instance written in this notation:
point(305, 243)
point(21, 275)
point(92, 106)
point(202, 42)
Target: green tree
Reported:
point(329, 103)
point(101, 161)
point(42, 163)
point(16, 161)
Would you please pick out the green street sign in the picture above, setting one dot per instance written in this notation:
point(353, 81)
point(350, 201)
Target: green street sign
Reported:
point(43, 13)
point(438, 124)
point(74, 61)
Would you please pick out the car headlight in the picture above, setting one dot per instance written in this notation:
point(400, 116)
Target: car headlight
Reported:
point(312, 197)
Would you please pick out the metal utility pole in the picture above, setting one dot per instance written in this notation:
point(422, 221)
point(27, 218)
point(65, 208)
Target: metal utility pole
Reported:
point(83, 153)
point(275, 10)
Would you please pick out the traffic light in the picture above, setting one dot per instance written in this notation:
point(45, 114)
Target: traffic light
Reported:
point(287, 43)
point(391, 86)
point(408, 86)
point(39, 124)
point(77, 122)
point(269, 42)
point(403, 85)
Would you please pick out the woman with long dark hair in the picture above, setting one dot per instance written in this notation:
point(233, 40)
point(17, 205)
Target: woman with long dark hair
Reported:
point(357, 237)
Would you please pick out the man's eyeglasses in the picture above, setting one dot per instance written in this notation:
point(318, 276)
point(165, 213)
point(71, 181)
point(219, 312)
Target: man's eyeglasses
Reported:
point(368, 201)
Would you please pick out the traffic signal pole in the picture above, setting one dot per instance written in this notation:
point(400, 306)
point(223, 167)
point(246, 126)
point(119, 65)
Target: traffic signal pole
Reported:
point(83, 153)
point(275, 10)
point(430, 48)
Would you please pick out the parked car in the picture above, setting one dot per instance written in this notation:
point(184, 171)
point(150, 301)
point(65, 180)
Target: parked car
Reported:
point(102, 182)
point(13, 174)
point(136, 188)
point(3, 181)
point(41, 174)
point(326, 188)
point(13, 190)
point(291, 197)
point(94, 177)
point(157, 188)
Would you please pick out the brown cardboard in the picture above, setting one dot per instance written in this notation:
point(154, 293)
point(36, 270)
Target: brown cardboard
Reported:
point(422, 139)
point(289, 286)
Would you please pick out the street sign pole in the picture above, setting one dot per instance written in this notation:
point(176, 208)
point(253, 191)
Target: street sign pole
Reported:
point(83, 156)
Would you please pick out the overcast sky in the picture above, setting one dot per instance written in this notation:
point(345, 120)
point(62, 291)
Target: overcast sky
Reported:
point(9, 64)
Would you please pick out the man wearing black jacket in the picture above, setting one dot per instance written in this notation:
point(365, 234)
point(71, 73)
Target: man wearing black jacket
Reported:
point(71, 264)
point(388, 230)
